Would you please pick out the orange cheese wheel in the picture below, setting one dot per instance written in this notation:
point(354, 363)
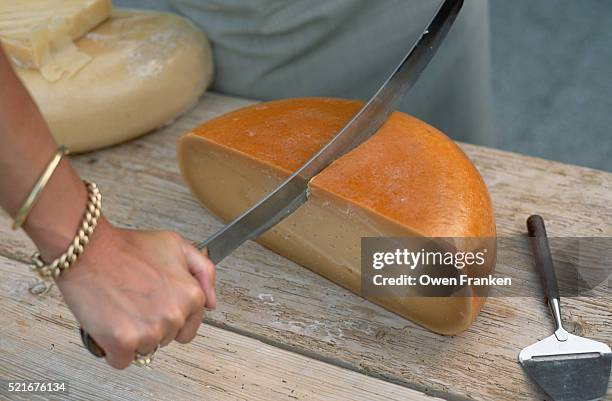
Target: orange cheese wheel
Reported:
point(408, 179)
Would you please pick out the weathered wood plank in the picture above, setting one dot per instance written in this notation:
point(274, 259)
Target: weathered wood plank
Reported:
point(39, 341)
point(270, 298)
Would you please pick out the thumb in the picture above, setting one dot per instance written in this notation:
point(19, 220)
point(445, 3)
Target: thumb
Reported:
point(203, 269)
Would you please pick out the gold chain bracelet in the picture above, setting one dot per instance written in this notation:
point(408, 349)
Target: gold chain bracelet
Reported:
point(86, 229)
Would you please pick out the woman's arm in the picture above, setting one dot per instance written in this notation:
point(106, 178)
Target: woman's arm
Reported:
point(130, 290)
point(26, 146)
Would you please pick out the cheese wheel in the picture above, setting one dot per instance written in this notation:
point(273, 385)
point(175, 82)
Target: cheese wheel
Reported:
point(147, 69)
point(409, 179)
point(34, 31)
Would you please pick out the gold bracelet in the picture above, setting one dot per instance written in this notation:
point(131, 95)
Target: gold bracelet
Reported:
point(86, 229)
point(30, 201)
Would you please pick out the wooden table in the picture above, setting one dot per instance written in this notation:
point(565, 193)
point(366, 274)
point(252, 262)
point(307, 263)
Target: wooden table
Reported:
point(281, 332)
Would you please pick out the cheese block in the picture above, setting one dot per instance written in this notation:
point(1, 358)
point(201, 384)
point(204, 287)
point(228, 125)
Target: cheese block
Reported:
point(40, 33)
point(409, 179)
point(147, 69)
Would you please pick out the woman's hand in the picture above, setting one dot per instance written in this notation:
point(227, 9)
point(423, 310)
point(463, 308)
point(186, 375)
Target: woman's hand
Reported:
point(132, 290)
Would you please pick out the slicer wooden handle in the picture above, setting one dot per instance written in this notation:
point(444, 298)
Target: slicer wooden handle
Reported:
point(543, 258)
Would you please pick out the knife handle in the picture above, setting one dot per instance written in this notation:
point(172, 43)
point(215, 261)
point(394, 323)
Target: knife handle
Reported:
point(543, 257)
point(91, 344)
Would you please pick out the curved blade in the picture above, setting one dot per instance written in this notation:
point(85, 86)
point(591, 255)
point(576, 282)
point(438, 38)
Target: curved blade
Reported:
point(294, 191)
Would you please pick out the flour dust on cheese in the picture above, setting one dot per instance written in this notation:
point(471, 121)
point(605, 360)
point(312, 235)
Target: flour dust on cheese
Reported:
point(147, 69)
point(408, 179)
point(40, 33)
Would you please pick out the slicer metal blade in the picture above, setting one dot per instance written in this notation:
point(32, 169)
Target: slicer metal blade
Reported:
point(576, 369)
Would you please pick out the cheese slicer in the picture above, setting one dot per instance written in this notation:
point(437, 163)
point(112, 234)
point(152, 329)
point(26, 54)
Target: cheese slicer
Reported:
point(565, 366)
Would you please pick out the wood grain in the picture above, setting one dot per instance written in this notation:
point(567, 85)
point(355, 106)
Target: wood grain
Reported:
point(39, 341)
point(266, 297)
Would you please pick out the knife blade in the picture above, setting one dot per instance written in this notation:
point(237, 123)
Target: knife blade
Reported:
point(293, 192)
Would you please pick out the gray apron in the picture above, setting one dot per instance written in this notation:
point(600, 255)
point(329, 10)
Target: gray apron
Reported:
point(270, 49)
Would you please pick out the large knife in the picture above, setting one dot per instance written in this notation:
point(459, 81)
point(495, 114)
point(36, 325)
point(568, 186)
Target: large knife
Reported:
point(292, 193)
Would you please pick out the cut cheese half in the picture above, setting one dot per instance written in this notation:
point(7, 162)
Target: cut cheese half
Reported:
point(409, 179)
point(147, 69)
point(40, 33)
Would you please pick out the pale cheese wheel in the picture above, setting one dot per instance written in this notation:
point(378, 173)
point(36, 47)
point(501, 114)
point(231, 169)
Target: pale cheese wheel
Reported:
point(147, 69)
point(409, 179)
point(34, 31)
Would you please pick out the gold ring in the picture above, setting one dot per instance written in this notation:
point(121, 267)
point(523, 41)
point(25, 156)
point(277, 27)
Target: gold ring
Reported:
point(144, 360)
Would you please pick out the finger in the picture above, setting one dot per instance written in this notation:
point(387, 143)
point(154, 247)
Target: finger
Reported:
point(170, 336)
point(190, 329)
point(117, 355)
point(119, 360)
point(203, 269)
point(148, 345)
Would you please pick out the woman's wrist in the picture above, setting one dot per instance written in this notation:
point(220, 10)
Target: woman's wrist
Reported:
point(57, 215)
